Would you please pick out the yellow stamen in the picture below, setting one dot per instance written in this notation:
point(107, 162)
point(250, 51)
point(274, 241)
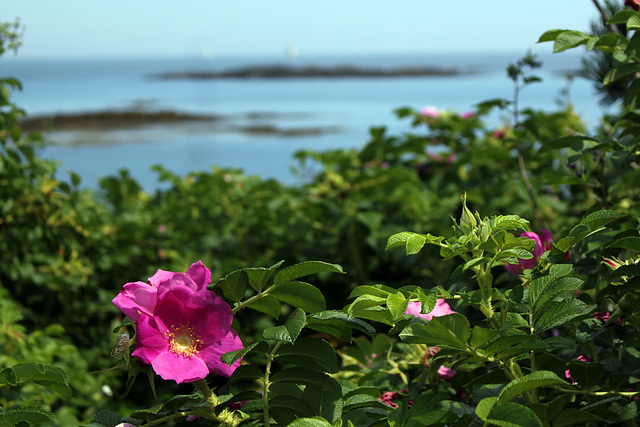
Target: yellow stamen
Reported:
point(183, 341)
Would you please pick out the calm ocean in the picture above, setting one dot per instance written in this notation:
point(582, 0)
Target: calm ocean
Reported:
point(349, 106)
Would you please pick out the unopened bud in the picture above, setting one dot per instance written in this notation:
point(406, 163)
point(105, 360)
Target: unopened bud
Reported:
point(467, 217)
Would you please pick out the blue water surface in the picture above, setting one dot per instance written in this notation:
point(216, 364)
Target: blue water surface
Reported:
point(347, 107)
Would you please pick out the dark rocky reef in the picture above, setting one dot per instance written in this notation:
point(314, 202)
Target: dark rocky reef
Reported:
point(110, 119)
point(310, 71)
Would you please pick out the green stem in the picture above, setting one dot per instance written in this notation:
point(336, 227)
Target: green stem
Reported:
point(199, 413)
point(602, 393)
point(267, 383)
point(209, 396)
point(251, 300)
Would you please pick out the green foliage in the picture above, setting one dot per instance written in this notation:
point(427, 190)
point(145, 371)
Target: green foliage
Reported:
point(331, 343)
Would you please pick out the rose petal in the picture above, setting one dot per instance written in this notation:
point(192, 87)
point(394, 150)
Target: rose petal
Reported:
point(178, 368)
point(200, 275)
point(211, 354)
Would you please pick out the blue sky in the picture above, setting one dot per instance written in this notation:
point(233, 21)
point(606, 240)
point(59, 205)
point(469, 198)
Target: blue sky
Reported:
point(83, 28)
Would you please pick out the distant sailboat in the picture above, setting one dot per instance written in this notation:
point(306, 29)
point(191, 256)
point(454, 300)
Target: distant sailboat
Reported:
point(291, 51)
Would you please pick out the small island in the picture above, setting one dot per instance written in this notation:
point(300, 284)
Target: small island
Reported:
point(252, 123)
point(309, 71)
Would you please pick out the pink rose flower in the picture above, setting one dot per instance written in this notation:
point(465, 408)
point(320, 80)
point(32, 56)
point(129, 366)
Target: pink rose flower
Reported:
point(635, 4)
point(441, 309)
point(140, 297)
point(446, 373)
point(187, 332)
point(543, 243)
point(430, 111)
point(467, 115)
point(604, 317)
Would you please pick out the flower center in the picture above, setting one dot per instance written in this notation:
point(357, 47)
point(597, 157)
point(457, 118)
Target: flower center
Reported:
point(183, 341)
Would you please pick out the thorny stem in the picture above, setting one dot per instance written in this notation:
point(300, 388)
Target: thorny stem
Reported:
point(209, 397)
point(267, 383)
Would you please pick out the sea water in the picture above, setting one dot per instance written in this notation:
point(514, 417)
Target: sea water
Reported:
point(346, 107)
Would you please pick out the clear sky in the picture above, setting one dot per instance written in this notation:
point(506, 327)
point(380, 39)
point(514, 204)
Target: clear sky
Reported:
point(81, 28)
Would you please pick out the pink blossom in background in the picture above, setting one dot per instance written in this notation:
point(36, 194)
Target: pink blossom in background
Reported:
point(467, 115)
point(635, 4)
point(187, 332)
point(441, 309)
point(141, 297)
point(542, 241)
point(430, 111)
point(546, 239)
point(446, 373)
point(498, 134)
point(604, 317)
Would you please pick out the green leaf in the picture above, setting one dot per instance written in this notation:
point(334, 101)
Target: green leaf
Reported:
point(7, 376)
point(49, 376)
point(381, 291)
point(621, 17)
point(107, 418)
point(299, 375)
point(300, 295)
point(311, 353)
point(286, 409)
point(233, 285)
point(569, 39)
point(305, 269)
point(620, 72)
point(516, 388)
point(413, 241)
point(575, 141)
point(32, 415)
point(259, 277)
point(370, 307)
point(310, 422)
point(550, 35)
point(633, 23)
point(485, 406)
point(571, 416)
point(338, 322)
point(560, 313)
point(586, 374)
point(150, 414)
point(523, 341)
point(631, 243)
point(175, 402)
point(268, 305)
point(362, 401)
point(591, 224)
point(512, 414)
point(510, 222)
point(481, 336)
point(246, 373)
point(397, 305)
point(543, 296)
point(288, 332)
point(451, 331)
point(230, 357)
point(476, 261)
point(624, 270)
